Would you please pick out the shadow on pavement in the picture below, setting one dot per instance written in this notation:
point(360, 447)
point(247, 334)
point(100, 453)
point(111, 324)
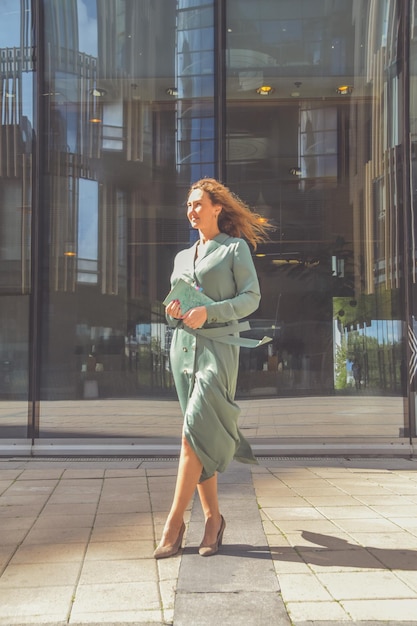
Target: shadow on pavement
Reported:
point(339, 552)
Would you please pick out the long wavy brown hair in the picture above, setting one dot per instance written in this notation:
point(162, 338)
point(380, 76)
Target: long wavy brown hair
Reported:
point(236, 218)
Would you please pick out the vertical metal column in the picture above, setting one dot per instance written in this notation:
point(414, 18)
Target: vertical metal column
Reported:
point(35, 316)
point(220, 86)
point(404, 8)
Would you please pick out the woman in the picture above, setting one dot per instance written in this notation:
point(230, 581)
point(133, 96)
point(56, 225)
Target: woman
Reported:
point(205, 351)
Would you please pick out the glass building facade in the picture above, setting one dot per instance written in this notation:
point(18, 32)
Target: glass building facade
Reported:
point(110, 109)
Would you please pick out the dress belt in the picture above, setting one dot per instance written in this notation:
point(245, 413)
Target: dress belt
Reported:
point(224, 334)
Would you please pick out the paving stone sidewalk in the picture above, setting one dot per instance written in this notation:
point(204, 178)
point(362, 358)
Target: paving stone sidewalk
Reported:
point(343, 538)
point(308, 541)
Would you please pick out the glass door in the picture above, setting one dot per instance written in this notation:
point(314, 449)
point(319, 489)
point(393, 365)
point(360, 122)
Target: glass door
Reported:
point(314, 144)
point(16, 130)
point(129, 125)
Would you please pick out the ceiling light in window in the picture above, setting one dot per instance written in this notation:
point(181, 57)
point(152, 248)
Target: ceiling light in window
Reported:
point(296, 93)
point(95, 120)
point(295, 171)
point(265, 90)
point(97, 92)
point(69, 249)
point(344, 90)
point(172, 91)
point(286, 262)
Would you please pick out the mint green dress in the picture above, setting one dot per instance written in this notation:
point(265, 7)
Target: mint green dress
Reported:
point(205, 369)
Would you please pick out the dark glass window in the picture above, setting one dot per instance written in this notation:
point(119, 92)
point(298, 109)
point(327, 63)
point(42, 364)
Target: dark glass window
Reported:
point(132, 108)
point(16, 130)
point(129, 126)
point(318, 153)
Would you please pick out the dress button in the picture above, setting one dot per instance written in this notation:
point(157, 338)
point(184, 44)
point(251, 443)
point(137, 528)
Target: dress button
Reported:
point(185, 349)
point(185, 372)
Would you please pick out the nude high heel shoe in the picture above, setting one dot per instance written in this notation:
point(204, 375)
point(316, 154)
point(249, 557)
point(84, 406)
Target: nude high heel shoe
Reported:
point(211, 549)
point(163, 552)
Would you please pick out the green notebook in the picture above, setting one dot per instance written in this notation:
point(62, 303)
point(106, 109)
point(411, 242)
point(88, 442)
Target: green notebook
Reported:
point(188, 296)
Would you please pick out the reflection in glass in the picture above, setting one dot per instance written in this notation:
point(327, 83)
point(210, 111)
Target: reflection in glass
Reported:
point(16, 128)
point(413, 197)
point(128, 104)
point(320, 157)
point(87, 228)
point(130, 124)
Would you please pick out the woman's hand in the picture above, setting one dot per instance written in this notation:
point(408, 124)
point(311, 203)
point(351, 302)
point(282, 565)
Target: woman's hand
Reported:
point(195, 318)
point(174, 310)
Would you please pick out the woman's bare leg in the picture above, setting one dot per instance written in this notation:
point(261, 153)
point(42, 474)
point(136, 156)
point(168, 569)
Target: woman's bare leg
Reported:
point(207, 492)
point(189, 472)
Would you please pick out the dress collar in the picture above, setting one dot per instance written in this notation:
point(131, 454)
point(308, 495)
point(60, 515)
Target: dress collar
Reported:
point(211, 245)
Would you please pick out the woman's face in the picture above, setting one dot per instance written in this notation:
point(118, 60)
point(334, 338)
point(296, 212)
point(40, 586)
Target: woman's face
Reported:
point(201, 212)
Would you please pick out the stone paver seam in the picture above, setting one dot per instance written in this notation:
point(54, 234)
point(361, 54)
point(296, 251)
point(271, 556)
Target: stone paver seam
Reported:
point(285, 537)
point(312, 572)
point(157, 575)
point(299, 553)
point(287, 603)
point(370, 506)
point(36, 517)
point(350, 534)
point(87, 544)
point(11, 482)
point(346, 491)
point(371, 554)
point(393, 571)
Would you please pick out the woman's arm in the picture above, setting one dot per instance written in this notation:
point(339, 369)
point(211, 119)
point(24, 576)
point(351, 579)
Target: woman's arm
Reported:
point(247, 297)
